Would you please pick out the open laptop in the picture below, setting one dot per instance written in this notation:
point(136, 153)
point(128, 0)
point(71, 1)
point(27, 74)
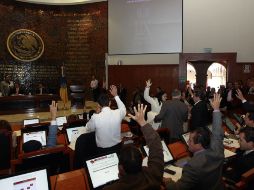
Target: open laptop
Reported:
point(168, 157)
point(30, 121)
point(185, 137)
point(229, 124)
point(38, 133)
point(102, 170)
point(60, 121)
point(32, 180)
point(74, 132)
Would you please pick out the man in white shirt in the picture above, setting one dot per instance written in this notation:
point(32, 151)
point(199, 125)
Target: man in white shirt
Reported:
point(107, 123)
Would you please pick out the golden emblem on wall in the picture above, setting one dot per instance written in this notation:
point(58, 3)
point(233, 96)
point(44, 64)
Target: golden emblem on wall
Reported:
point(25, 45)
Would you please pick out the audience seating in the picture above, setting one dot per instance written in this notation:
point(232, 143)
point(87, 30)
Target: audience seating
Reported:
point(85, 149)
point(247, 180)
point(55, 158)
point(6, 151)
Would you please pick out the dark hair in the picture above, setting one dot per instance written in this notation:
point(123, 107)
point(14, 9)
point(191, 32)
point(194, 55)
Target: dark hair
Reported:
point(159, 96)
point(199, 93)
point(249, 133)
point(251, 116)
point(103, 100)
point(202, 136)
point(131, 159)
point(31, 146)
point(5, 125)
point(90, 114)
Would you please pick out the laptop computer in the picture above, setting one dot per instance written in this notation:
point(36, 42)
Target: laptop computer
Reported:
point(102, 170)
point(74, 132)
point(30, 121)
point(229, 124)
point(61, 120)
point(32, 180)
point(168, 157)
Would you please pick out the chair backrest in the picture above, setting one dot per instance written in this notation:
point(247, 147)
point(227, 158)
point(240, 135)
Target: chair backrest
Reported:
point(5, 149)
point(85, 148)
point(247, 180)
point(55, 159)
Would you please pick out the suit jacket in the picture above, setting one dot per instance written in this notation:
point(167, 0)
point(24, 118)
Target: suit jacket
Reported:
point(199, 115)
point(150, 177)
point(248, 107)
point(173, 114)
point(204, 170)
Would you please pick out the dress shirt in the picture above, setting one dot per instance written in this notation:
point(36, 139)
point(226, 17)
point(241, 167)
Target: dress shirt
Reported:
point(107, 125)
point(155, 106)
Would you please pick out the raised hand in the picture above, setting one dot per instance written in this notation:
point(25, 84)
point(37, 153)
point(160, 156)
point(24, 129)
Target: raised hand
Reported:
point(148, 83)
point(53, 110)
point(239, 95)
point(113, 90)
point(215, 102)
point(139, 114)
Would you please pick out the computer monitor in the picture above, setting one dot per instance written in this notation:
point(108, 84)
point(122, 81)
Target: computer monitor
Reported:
point(31, 121)
point(168, 157)
point(35, 135)
point(61, 120)
point(102, 170)
point(32, 180)
point(74, 132)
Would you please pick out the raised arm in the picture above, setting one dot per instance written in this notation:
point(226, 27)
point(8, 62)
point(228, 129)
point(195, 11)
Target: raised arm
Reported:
point(155, 159)
point(120, 104)
point(147, 97)
point(53, 126)
point(217, 130)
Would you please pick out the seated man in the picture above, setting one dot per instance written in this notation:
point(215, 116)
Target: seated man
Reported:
point(204, 169)
point(132, 174)
point(107, 123)
point(244, 159)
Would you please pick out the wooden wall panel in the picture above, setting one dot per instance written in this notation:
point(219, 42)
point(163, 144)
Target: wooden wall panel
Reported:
point(74, 35)
point(132, 76)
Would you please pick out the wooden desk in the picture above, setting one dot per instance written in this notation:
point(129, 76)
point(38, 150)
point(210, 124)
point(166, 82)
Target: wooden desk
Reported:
point(76, 179)
point(26, 104)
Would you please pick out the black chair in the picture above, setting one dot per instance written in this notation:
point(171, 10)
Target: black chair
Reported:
point(85, 149)
point(5, 149)
point(56, 159)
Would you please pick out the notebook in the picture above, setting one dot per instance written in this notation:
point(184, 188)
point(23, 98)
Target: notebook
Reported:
point(31, 121)
point(32, 180)
point(168, 157)
point(35, 135)
point(102, 170)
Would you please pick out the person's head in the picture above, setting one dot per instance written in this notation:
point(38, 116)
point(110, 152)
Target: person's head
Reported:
point(162, 97)
point(31, 146)
point(130, 161)
point(5, 125)
point(103, 100)
point(176, 94)
point(249, 119)
point(246, 138)
point(199, 139)
point(7, 78)
point(198, 95)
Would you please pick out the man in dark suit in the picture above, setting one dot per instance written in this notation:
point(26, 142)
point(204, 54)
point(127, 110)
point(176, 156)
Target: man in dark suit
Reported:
point(173, 114)
point(199, 112)
point(204, 169)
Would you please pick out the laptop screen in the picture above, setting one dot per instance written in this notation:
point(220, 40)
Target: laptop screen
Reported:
point(61, 120)
point(36, 180)
point(103, 170)
point(168, 157)
point(185, 137)
point(74, 132)
point(36, 135)
point(31, 121)
point(229, 124)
